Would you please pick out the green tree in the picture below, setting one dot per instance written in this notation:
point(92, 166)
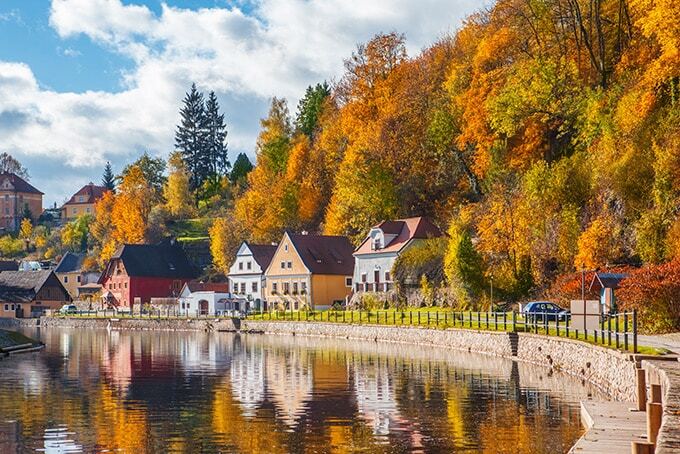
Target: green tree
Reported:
point(310, 107)
point(153, 170)
point(191, 136)
point(108, 178)
point(240, 170)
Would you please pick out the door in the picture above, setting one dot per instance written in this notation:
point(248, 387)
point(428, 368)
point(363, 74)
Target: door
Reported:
point(203, 307)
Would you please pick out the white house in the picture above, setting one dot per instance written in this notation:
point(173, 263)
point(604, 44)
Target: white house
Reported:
point(198, 298)
point(375, 256)
point(246, 274)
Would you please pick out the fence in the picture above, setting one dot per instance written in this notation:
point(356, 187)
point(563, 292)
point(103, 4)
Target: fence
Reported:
point(614, 330)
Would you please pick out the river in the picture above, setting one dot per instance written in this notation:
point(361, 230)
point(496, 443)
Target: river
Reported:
point(158, 392)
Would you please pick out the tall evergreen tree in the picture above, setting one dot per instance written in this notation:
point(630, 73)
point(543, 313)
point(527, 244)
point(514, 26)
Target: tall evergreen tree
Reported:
point(191, 135)
point(215, 159)
point(109, 179)
point(242, 167)
point(310, 107)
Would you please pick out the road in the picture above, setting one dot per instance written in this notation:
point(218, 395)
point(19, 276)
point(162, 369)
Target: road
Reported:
point(668, 341)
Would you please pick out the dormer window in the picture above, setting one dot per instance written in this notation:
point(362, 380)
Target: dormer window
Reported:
point(376, 244)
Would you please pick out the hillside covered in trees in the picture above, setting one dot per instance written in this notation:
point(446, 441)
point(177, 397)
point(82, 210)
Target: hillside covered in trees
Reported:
point(545, 135)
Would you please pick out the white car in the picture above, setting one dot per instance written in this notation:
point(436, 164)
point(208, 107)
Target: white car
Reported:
point(67, 309)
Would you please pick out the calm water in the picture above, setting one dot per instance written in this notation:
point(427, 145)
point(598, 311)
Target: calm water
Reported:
point(99, 391)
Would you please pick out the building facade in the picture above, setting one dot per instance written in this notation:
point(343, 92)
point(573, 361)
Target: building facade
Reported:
point(376, 255)
point(309, 271)
point(139, 272)
point(30, 293)
point(202, 299)
point(246, 274)
point(82, 202)
point(17, 197)
point(70, 272)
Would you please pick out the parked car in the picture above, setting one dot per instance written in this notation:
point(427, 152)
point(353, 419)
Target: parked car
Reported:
point(544, 310)
point(67, 309)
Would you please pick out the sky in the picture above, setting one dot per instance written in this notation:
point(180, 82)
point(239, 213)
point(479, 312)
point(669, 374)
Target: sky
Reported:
point(83, 82)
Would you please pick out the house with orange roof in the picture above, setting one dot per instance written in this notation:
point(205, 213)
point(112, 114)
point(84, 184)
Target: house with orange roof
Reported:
point(376, 255)
point(82, 202)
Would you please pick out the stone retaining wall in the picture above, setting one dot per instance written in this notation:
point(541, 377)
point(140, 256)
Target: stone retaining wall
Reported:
point(667, 374)
point(610, 371)
point(213, 324)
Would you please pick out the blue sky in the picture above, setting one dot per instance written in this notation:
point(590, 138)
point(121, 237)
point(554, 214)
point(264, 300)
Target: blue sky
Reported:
point(86, 81)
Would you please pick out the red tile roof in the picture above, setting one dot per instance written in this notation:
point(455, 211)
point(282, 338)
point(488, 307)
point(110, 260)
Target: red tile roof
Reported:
point(217, 287)
point(20, 185)
point(91, 193)
point(262, 253)
point(405, 231)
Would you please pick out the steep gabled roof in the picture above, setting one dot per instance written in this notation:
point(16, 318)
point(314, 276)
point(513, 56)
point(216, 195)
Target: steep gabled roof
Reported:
point(324, 254)
point(20, 185)
point(22, 286)
point(262, 253)
point(607, 280)
point(405, 231)
point(91, 193)
point(165, 260)
point(70, 262)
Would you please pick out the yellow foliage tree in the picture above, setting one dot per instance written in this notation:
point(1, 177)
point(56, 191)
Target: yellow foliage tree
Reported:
point(133, 203)
point(177, 190)
point(597, 245)
point(226, 234)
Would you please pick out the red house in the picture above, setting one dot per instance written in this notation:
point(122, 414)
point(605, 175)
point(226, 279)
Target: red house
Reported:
point(138, 272)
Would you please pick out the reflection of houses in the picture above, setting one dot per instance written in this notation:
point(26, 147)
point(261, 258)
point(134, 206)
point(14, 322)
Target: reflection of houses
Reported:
point(606, 283)
point(83, 201)
point(247, 377)
point(246, 274)
point(30, 293)
point(198, 298)
point(139, 272)
point(375, 257)
point(310, 270)
point(70, 272)
point(376, 401)
point(289, 383)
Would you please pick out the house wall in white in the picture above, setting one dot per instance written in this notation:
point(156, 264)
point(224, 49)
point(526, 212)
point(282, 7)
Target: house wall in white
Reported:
point(190, 303)
point(365, 267)
point(246, 277)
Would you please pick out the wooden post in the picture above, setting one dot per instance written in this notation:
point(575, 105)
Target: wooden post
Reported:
point(641, 389)
point(656, 393)
point(653, 421)
point(641, 447)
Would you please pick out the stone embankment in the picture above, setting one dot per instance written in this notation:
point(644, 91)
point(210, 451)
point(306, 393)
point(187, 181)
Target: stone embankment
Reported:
point(12, 343)
point(667, 374)
point(162, 324)
point(610, 371)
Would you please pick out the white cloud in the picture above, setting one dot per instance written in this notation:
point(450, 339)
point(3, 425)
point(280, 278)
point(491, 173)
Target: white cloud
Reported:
point(282, 47)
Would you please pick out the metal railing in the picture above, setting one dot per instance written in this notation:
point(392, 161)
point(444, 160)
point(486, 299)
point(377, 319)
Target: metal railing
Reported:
point(618, 330)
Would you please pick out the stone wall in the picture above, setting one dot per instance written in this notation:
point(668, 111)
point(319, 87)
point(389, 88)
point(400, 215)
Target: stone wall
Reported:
point(213, 324)
point(611, 372)
point(667, 374)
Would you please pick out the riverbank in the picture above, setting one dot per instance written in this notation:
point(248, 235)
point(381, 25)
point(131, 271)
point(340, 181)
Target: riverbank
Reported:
point(12, 343)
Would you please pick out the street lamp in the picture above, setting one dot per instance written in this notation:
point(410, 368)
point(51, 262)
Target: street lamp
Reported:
point(491, 283)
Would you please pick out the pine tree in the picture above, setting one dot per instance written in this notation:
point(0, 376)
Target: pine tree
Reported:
point(109, 179)
point(241, 169)
point(310, 107)
point(215, 157)
point(191, 135)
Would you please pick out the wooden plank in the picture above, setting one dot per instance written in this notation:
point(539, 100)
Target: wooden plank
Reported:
point(611, 427)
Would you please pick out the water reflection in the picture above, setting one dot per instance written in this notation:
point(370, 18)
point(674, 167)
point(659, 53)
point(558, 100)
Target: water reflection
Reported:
point(94, 391)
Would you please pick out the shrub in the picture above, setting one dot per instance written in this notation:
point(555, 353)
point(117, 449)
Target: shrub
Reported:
point(10, 246)
point(655, 292)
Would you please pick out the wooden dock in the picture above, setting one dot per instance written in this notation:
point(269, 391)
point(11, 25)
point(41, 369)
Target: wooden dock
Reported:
point(610, 427)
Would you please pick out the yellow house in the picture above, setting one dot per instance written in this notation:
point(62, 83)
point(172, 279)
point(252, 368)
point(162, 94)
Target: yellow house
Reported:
point(82, 201)
point(313, 271)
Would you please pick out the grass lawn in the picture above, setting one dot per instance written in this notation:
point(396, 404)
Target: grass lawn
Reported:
point(12, 338)
point(191, 229)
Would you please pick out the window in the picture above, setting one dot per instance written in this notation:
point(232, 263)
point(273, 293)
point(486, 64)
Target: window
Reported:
point(88, 209)
point(348, 281)
point(387, 276)
point(240, 266)
point(283, 265)
point(303, 287)
point(274, 287)
point(126, 285)
point(290, 265)
point(6, 210)
point(77, 278)
point(65, 279)
point(253, 287)
point(243, 287)
point(249, 266)
point(6, 307)
point(81, 198)
point(286, 288)
point(363, 277)
point(74, 210)
point(285, 247)
point(376, 244)
point(295, 288)
point(11, 306)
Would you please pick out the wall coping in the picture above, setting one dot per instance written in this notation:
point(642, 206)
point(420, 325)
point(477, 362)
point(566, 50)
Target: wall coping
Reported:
point(667, 374)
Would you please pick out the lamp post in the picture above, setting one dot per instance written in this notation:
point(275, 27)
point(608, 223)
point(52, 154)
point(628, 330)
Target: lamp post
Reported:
point(491, 283)
point(583, 293)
